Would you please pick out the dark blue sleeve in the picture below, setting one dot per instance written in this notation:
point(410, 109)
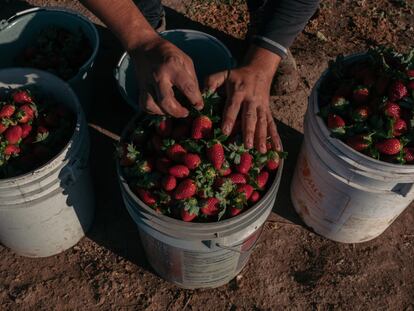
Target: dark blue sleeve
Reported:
point(285, 20)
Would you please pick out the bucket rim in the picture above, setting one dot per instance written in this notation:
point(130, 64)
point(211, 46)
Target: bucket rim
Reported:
point(76, 131)
point(68, 11)
point(351, 154)
point(166, 220)
point(125, 55)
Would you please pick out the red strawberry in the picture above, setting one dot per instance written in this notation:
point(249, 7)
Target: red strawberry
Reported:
point(397, 90)
point(361, 113)
point(7, 111)
point(202, 127)
point(360, 94)
point(164, 127)
point(176, 152)
point(389, 146)
point(3, 127)
point(410, 85)
point(225, 171)
point(13, 134)
point(185, 189)
point(26, 129)
point(336, 123)
point(408, 154)
point(25, 114)
point(399, 127)
point(42, 133)
point(358, 142)
point(392, 110)
point(238, 178)
point(163, 165)
point(234, 211)
point(21, 97)
point(410, 73)
point(169, 182)
point(128, 154)
point(191, 160)
point(246, 189)
point(215, 154)
point(11, 150)
point(273, 160)
point(146, 196)
point(210, 207)
point(189, 209)
point(255, 197)
point(179, 171)
point(262, 179)
point(245, 164)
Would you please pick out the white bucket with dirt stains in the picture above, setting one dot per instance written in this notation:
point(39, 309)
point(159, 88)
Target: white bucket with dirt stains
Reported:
point(198, 255)
point(48, 210)
point(340, 193)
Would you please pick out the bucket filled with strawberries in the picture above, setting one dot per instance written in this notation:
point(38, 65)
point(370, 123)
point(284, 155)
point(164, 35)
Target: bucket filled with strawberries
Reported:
point(188, 170)
point(33, 129)
point(369, 104)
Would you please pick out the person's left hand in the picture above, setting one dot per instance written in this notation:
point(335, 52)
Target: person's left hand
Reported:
point(248, 91)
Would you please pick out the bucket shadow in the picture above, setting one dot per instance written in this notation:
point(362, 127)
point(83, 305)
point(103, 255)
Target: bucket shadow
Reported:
point(292, 142)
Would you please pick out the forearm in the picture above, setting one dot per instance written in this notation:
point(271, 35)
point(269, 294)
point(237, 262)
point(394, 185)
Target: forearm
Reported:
point(124, 19)
point(262, 60)
point(287, 19)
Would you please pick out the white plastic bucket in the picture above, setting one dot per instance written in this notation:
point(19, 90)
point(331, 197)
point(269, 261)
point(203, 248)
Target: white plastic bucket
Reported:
point(340, 193)
point(198, 255)
point(21, 29)
point(208, 54)
point(48, 210)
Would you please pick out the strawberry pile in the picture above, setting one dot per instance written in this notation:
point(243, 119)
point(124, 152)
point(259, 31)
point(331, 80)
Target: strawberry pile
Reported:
point(58, 51)
point(187, 169)
point(369, 104)
point(32, 131)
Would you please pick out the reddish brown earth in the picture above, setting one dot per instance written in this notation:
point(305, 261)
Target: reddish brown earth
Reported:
point(291, 267)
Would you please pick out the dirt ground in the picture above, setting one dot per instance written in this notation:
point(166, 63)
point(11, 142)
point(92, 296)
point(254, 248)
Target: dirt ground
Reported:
point(291, 267)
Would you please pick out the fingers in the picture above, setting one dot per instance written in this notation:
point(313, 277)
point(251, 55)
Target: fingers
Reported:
point(147, 102)
point(214, 81)
point(249, 118)
point(167, 101)
point(261, 131)
point(231, 110)
point(272, 132)
point(186, 82)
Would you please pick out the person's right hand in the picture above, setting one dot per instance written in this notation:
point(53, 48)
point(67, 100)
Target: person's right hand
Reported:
point(160, 66)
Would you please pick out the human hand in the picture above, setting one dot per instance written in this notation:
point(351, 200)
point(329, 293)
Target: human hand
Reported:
point(160, 66)
point(248, 92)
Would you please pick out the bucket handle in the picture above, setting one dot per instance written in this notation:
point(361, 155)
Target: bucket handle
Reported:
point(235, 248)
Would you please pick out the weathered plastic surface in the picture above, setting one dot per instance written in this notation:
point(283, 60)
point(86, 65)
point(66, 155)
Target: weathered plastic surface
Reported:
point(342, 194)
point(21, 29)
point(199, 255)
point(47, 211)
point(209, 55)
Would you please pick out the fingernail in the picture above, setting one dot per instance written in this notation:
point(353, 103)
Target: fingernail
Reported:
point(249, 144)
point(263, 148)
